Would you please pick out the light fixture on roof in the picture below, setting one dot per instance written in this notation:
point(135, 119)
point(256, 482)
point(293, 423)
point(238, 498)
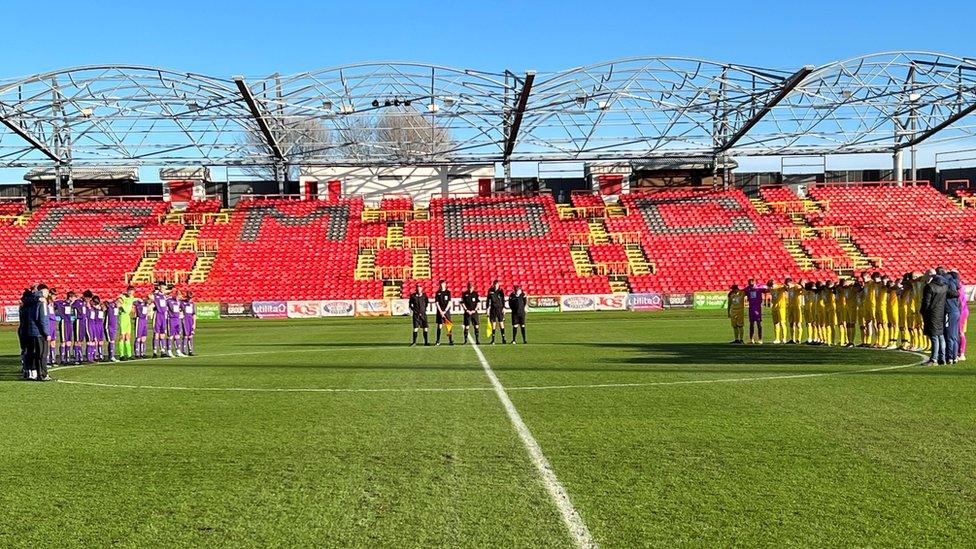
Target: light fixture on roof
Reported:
point(375, 103)
point(327, 105)
point(604, 105)
point(347, 108)
point(449, 101)
point(581, 100)
point(192, 105)
point(914, 96)
point(432, 108)
point(846, 94)
point(87, 112)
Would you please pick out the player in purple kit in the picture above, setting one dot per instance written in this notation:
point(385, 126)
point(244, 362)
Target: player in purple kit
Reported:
point(175, 326)
point(754, 295)
point(189, 311)
point(160, 311)
point(141, 307)
point(80, 310)
point(67, 332)
point(112, 327)
point(53, 319)
point(97, 328)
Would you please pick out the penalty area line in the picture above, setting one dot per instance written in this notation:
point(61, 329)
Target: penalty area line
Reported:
point(571, 517)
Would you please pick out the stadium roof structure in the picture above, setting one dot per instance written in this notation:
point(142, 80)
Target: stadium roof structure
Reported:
point(390, 113)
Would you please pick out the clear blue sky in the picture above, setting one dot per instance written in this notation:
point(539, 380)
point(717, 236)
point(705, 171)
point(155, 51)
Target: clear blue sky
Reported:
point(257, 38)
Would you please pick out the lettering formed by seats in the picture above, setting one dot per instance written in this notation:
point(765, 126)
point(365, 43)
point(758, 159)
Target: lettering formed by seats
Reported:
point(738, 220)
point(126, 231)
point(506, 220)
point(338, 220)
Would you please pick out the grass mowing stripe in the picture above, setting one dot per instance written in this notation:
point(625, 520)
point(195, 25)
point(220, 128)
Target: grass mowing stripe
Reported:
point(571, 517)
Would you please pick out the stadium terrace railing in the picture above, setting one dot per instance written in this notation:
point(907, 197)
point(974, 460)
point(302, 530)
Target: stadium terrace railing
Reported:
point(194, 219)
point(582, 212)
point(371, 215)
point(956, 183)
point(382, 242)
point(589, 239)
point(395, 273)
point(202, 245)
point(114, 198)
point(887, 183)
point(613, 267)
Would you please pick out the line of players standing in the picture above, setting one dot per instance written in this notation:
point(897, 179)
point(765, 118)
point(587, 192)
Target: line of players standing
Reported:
point(83, 328)
point(917, 312)
point(470, 300)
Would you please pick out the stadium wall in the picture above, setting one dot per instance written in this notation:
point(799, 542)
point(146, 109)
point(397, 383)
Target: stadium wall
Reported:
point(419, 181)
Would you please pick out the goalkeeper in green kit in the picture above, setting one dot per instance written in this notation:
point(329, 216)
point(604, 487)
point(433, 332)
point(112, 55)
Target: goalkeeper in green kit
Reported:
point(126, 313)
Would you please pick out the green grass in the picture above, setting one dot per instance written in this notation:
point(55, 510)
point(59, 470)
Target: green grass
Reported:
point(662, 453)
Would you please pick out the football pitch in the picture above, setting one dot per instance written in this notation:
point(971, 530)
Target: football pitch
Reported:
point(335, 433)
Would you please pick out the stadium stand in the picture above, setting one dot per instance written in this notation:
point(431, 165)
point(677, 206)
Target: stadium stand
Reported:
point(86, 245)
point(671, 241)
point(909, 228)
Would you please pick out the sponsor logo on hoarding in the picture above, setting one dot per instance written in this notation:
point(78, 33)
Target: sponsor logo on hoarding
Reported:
point(578, 303)
point(611, 302)
point(400, 307)
point(542, 303)
point(11, 313)
point(649, 301)
point(679, 301)
point(710, 300)
point(304, 309)
point(208, 310)
point(270, 309)
point(372, 307)
point(338, 308)
point(235, 309)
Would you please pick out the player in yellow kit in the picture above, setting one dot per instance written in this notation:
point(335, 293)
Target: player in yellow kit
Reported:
point(840, 298)
point(881, 313)
point(922, 343)
point(851, 302)
point(894, 313)
point(829, 299)
point(778, 302)
point(809, 297)
point(905, 315)
point(794, 310)
point(736, 312)
point(820, 312)
point(865, 312)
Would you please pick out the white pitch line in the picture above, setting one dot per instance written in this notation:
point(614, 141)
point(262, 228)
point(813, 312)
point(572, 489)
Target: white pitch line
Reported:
point(571, 517)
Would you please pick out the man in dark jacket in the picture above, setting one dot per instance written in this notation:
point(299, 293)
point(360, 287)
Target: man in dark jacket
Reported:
point(934, 317)
point(418, 307)
point(36, 330)
point(22, 334)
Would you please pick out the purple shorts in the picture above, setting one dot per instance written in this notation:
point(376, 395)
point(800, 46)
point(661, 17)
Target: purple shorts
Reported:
point(188, 326)
point(142, 327)
point(159, 324)
point(755, 316)
point(67, 331)
point(113, 332)
point(174, 327)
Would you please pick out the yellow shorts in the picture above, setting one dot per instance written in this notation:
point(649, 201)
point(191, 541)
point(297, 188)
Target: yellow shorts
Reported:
point(736, 320)
point(779, 315)
point(795, 315)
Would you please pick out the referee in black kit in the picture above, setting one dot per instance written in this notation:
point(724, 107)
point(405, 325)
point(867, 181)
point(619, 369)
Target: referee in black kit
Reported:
point(442, 302)
point(496, 310)
point(418, 306)
point(469, 302)
point(517, 303)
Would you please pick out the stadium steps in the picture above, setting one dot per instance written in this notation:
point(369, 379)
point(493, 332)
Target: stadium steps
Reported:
point(371, 215)
point(421, 214)
point(366, 264)
point(598, 230)
point(420, 262)
point(394, 235)
point(581, 259)
point(760, 205)
point(639, 265)
point(615, 209)
point(144, 273)
point(392, 289)
point(188, 240)
point(859, 259)
point(619, 284)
